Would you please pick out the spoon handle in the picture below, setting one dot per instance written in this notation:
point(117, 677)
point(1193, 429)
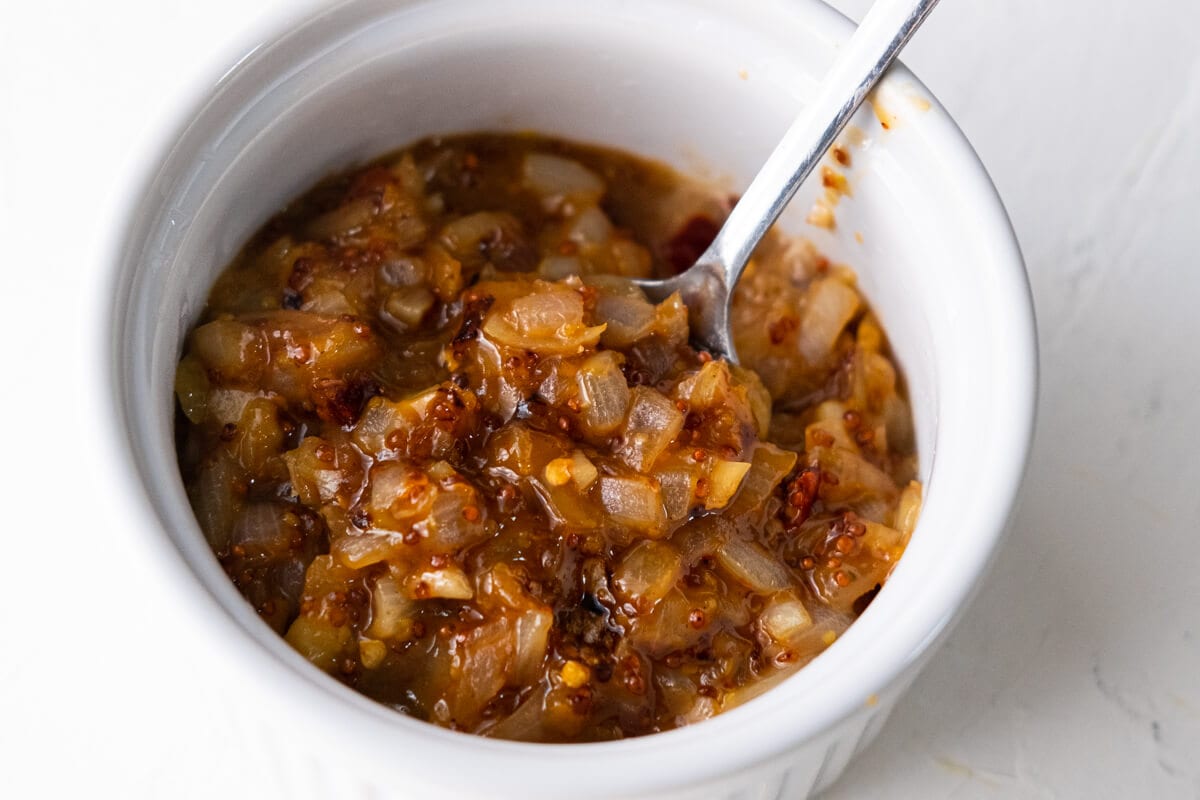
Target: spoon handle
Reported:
point(883, 32)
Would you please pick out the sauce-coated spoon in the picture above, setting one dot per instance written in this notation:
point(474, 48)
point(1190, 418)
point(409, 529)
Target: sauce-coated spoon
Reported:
point(707, 286)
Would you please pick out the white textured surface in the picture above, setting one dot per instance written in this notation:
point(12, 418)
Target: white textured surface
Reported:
point(1076, 673)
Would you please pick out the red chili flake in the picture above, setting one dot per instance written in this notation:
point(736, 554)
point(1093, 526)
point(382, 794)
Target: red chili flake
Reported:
point(690, 242)
point(802, 493)
point(470, 513)
point(780, 329)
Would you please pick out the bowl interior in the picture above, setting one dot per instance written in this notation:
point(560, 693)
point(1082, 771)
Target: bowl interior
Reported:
point(705, 88)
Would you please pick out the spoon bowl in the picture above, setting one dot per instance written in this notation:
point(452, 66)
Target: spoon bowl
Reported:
point(707, 286)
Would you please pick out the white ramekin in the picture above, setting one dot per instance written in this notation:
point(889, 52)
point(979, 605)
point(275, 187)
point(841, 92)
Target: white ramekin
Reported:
point(707, 86)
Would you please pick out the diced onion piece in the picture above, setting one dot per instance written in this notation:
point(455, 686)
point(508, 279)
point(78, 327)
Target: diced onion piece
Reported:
point(471, 239)
point(603, 393)
point(667, 627)
point(709, 386)
point(449, 583)
point(671, 320)
point(653, 423)
point(908, 508)
point(785, 621)
point(725, 479)
point(408, 305)
point(391, 610)
point(678, 487)
point(752, 566)
point(702, 537)
point(558, 267)
point(633, 502)
point(235, 350)
point(399, 495)
point(260, 435)
point(769, 465)
point(590, 226)
point(319, 641)
point(750, 385)
point(526, 723)
point(191, 387)
point(314, 480)
point(583, 471)
point(629, 316)
point(544, 313)
point(345, 219)
point(226, 406)
point(215, 500)
point(829, 429)
point(829, 306)
point(532, 635)
point(549, 320)
point(704, 708)
point(371, 652)
point(358, 550)
point(455, 518)
point(261, 532)
point(856, 478)
point(555, 179)
point(446, 273)
point(483, 669)
point(719, 384)
point(677, 690)
point(516, 451)
point(646, 573)
point(885, 543)
point(565, 506)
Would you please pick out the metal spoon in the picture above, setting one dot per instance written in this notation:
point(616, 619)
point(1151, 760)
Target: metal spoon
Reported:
point(707, 286)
